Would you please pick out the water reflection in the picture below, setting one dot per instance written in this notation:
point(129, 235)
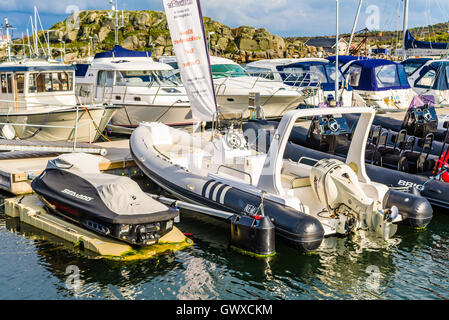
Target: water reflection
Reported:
point(412, 265)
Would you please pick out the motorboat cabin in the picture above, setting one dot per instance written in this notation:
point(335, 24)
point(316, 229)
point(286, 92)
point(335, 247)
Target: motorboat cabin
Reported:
point(381, 83)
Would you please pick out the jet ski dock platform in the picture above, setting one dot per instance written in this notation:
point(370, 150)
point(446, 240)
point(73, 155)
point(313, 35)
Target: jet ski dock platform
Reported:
point(30, 210)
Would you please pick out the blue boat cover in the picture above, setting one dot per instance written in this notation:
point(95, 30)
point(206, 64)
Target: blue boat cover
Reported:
point(120, 52)
point(345, 59)
point(81, 69)
point(25, 68)
point(412, 43)
point(370, 75)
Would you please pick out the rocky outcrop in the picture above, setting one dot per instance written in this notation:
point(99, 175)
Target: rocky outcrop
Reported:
point(148, 30)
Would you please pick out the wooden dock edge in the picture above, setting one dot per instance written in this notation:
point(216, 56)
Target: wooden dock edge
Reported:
point(30, 210)
point(20, 184)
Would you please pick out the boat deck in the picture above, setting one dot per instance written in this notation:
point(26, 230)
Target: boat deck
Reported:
point(18, 168)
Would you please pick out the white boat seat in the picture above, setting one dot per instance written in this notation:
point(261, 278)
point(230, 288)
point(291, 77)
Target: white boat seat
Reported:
point(296, 182)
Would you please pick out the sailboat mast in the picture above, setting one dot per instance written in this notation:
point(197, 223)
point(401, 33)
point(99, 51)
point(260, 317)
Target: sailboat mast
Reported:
point(36, 48)
point(356, 21)
point(405, 26)
point(336, 60)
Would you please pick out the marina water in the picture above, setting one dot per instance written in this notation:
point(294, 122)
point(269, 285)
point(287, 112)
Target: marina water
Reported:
point(412, 265)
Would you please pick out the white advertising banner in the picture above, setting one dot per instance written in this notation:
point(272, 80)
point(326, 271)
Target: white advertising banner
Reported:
point(185, 22)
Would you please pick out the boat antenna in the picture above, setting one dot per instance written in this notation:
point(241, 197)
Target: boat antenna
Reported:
point(114, 8)
point(336, 59)
point(7, 27)
point(405, 27)
point(354, 26)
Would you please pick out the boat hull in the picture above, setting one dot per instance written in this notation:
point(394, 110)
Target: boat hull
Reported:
point(59, 124)
point(130, 115)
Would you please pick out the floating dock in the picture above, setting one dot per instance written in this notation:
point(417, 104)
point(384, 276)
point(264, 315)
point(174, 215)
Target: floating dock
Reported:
point(30, 210)
point(18, 168)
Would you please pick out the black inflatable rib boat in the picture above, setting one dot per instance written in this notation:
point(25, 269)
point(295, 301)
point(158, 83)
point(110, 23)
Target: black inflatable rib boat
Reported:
point(73, 187)
point(415, 208)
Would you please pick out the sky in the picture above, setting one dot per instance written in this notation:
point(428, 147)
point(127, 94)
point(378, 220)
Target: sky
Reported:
point(281, 17)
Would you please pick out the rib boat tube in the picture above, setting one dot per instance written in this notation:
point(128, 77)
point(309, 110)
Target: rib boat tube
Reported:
point(73, 187)
point(305, 200)
point(415, 207)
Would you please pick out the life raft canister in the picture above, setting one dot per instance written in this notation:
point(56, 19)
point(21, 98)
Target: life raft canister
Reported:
point(441, 163)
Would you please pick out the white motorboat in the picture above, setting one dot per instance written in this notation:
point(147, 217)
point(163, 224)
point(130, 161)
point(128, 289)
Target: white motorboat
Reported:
point(432, 78)
point(37, 102)
point(233, 86)
point(219, 168)
point(381, 83)
point(144, 89)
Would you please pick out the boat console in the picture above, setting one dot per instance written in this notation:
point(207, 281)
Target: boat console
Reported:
point(328, 132)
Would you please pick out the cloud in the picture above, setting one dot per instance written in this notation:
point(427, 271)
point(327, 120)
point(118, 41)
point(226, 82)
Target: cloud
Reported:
point(282, 17)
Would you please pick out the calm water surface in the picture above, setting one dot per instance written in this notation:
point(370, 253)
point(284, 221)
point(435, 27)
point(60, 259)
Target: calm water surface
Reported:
point(413, 265)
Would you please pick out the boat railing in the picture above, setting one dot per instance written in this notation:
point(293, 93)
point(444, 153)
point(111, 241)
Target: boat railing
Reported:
point(236, 170)
point(76, 126)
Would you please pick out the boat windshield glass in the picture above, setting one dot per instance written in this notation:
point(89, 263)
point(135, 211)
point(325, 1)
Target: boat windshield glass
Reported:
point(427, 80)
point(50, 82)
point(330, 70)
point(311, 74)
point(305, 75)
point(264, 73)
point(228, 70)
point(147, 78)
point(387, 76)
point(411, 66)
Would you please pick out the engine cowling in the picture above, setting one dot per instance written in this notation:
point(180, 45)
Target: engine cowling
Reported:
point(337, 187)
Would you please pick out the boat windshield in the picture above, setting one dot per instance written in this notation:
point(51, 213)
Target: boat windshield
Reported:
point(389, 76)
point(411, 66)
point(311, 74)
point(228, 70)
point(147, 78)
point(330, 70)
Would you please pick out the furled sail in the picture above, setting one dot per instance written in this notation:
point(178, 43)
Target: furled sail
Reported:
point(185, 22)
point(411, 43)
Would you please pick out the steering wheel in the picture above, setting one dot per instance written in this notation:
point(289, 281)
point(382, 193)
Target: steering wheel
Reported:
point(234, 140)
point(333, 125)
